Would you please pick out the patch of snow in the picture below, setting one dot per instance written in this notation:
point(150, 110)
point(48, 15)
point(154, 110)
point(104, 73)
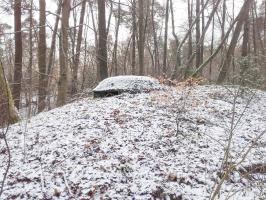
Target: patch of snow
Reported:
point(128, 83)
point(168, 143)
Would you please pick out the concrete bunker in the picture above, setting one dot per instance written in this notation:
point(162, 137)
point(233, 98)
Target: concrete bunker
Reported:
point(125, 84)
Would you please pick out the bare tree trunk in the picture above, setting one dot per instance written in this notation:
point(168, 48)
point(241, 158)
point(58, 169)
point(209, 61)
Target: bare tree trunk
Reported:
point(8, 111)
point(212, 45)
point(217, 50)
point(260, 41)
point(178, 59)
point(16, 89)
point(134, 30)
point(244, 50)
point(264, 42)
point(165, 37)
point(62, 84)
point(189, 54)
point(126, 56)
point(223, 26)
point(84, 64)
point(94, 25)
point(189, 32)
point(72, 37)
point(78, 48)
point(223, 19)
point(241, 18)
point(102, 70)
point(198, 48)
point(254, 35)
point(52, 52)
point(155, 43)
point(114, 59)
point(264, 25)
point(192, 25)
point(53, 41)
point(109, 18)
point(204, 30)
point(203, 35)
point(95, 35)
point(141, 41)
point(29, 70)
point(42, 57)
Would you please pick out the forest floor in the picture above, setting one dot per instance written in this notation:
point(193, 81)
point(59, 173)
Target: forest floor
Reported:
point(163, 144)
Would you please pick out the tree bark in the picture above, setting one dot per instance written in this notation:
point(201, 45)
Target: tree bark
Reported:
point(78, 48)
point(102, 69)
point(16, 89)
point(63, 53)
point(165, 37)
point(217, 50)
point(212, 45)
point(155, 42)
point(134, 30)
point(204, 30)
point(189, 54)
point(241, 18)
point(29, 70)
point(141, 41)
point(244, 51)
point(178, 59)
point(223, 26)
point(8, 111)
point(42, 57)
point(53, 41)
point(198, 47)
point(202, 35)
point(114, 59)
point(254, 35)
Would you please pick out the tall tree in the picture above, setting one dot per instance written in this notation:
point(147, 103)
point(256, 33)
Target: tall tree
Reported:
point(204, 30)
point(244, 50)
point(241, 18)
point(8, 111)
point(141, 41)
point(202, 35)
point(102, 70)
point(16, 89)
point(78, 49)
point(190, 47)
point(198, 48)
point(114, 56)
point(42, 57)
point(166, 37)
point(29, 69)
point(53, 41)
point(134, 35)
point(223, 22)
point(212, 44)
point(155, 42)
point(178, 58)
point(63, 53)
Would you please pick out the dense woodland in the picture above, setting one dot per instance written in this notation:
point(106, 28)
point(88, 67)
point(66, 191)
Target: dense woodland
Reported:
point(49, 57)
point(191, 126)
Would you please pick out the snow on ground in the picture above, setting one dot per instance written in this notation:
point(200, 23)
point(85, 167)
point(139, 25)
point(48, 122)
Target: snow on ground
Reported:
point(163, 144)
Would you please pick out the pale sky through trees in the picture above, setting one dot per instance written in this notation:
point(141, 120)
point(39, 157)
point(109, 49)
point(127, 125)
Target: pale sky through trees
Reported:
point(133, 99)
point(180, 11)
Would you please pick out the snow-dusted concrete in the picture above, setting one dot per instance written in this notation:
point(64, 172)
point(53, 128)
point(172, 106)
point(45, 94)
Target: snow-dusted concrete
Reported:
point(132, 84)
point(137, 146)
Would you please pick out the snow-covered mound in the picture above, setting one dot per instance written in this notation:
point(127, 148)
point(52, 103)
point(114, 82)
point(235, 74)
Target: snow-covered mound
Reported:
point(164, 144)
point(133, 84)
